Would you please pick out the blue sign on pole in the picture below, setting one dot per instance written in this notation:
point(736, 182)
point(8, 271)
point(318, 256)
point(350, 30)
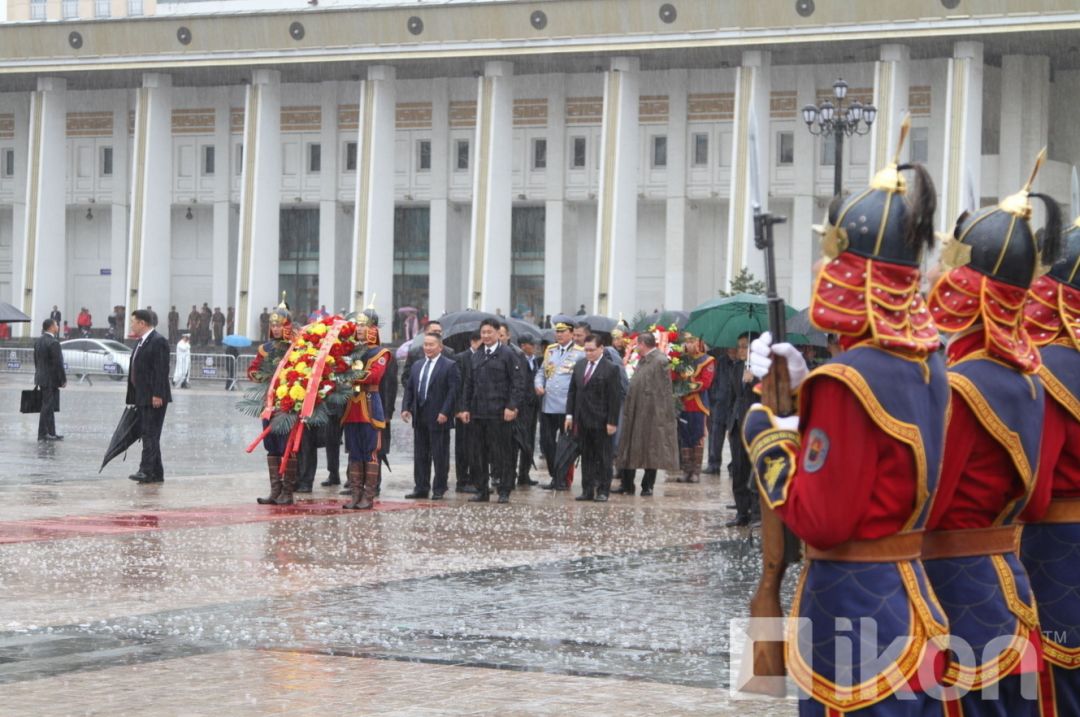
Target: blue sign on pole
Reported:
point(106, 272)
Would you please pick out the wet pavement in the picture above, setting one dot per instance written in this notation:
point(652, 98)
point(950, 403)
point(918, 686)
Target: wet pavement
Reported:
point(188, 597)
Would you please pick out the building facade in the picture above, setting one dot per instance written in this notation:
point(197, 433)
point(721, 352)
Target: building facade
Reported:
point(521, 156)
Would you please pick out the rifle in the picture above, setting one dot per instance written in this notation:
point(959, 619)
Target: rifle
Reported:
point(779, 546)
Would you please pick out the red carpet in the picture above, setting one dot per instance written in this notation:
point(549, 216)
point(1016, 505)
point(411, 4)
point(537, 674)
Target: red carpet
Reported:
point(78, 526)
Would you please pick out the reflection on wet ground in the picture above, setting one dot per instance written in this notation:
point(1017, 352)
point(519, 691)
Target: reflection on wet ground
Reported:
point(188, 580)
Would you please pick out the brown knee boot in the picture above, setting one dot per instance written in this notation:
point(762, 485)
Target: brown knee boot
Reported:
point(696, 454)
point(371, 485)
point(274, 464)
point(355, 473)
point(288, 482)
point(684, 465)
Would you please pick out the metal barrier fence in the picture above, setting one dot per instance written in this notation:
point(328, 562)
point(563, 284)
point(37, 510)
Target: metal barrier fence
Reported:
point(84, 366)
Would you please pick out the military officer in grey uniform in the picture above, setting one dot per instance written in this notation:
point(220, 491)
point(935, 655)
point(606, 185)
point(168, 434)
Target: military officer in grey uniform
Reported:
point(552, 384)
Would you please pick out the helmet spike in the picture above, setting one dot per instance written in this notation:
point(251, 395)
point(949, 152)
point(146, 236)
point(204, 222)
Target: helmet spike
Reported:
point(905, 129)
point(1035, 170)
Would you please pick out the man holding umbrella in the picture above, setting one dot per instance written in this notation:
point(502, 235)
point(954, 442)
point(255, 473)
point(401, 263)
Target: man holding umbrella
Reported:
point(148, 390)
point(552, 383)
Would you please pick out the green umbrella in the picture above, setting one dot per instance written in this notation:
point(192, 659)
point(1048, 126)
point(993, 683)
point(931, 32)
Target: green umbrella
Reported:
point(721, 321)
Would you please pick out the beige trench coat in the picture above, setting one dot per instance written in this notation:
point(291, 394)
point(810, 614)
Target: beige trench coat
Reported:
point(649, 430)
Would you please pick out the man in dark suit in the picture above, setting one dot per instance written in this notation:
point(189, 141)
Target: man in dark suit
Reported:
point(530, 410)
point(592, 411)
point(148, 390)
point(49, 376)
point(492, 397)
point(416, 351)
point(430, 397)
point(463, 432)
point(741, 387)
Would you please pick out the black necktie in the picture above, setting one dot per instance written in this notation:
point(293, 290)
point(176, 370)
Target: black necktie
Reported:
point(424, 376)
point(588, 371)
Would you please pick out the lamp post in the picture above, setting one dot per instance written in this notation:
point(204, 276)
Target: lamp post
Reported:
point(840, 121)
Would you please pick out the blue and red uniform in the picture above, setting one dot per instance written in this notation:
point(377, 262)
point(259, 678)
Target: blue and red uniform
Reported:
point(695, 411)
point(364, 418)
point(1050, 546)
point(270, 352)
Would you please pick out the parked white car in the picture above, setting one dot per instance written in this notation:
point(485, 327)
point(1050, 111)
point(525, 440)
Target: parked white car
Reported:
point(96, 357)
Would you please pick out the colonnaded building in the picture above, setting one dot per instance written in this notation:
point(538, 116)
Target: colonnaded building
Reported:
point(521, 155)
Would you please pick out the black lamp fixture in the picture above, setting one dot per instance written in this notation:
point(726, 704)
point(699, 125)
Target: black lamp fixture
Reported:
point(840, 121)
point(188, 214)
point(89, 214)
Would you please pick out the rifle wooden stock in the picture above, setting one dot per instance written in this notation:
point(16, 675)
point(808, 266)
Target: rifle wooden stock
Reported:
point(776, 541)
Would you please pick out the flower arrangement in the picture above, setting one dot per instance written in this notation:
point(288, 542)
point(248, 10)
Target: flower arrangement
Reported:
point(319, 359)
point(682, 370)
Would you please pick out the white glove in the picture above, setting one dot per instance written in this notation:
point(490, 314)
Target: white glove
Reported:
point(760, 360)
point(787, 423)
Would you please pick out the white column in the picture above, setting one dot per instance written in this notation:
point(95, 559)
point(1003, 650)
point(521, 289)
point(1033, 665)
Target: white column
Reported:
point(21, 110)
point(328, 190)
point(555, 192)
point(615, 277)
point(892, 86)
point(119, 202)
point(373, 234)
point(149, 244)
point(675, 284)
point(1025, 112)
point(489, 255)
point(804, 203)
point(752, 95)
point(260, 202)
point(42, 272)
point(960, 186)
point(439, 206)
point(220, 268)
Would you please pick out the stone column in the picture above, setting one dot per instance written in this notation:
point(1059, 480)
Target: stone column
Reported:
point(220, 264)
point(892, 85)
point(328, 191)
point(675, 293)
point(373, 233)
point(21, 109)
point(1025, 113)
point(489, 255)
point(960, 186)
point(41, 279)
point(804, 202)
point(439, 206)
point(555, 193)
point(752, 96)
point(119, 202)
point(260, 202)
point(615, 278)
point(149, 243)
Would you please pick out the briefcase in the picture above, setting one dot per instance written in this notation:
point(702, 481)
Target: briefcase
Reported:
point(31, 401)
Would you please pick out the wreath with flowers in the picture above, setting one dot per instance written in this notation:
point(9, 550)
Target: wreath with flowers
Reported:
point(317, 373)
point(682, 369)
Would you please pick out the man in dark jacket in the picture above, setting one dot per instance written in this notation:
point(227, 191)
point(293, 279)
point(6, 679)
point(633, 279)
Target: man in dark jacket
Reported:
point(49, 376)
point(148, 390)
point(592, 413)
point(416, 350)
point(529, 411)
point(430, 396)
point(492, 397)
point(720, 407)
point(464, 447)
point(741, 385)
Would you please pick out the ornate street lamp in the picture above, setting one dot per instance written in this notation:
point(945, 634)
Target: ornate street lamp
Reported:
point(839, 121)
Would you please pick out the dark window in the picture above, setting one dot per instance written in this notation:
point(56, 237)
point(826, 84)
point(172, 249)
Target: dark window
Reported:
point(527, 229)
point(423, 159)
point(298, 258)
point(920, 144)
point(539, 154)
point(701, 149)
point(106, 162)
point(828, 150)
point(462, 148)
point(9, 163)
point(412, 252)
point(350, 156)
point(239, 159)
point(314, 154)
point(659, 152)
point(785, 148)
point(209, 155)
point(577, 160)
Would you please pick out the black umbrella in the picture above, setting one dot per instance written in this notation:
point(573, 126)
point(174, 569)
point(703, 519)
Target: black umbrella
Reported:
point(126, 433)
point(521, 440)
point(566, 454)
point(458, 325)
point(664, 319)
point(10, 315)
point(800, 324)
point(598, 323)
point(520, 327)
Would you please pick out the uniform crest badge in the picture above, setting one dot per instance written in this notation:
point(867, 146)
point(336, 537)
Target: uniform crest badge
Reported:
point(817, 449)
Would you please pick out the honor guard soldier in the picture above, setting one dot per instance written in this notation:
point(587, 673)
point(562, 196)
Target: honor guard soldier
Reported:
point(991, 459)
point(854, 474)
point(364, 418)
point(695, 409)
point(1051, 538)
point(261, 370)
point(552, 384)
